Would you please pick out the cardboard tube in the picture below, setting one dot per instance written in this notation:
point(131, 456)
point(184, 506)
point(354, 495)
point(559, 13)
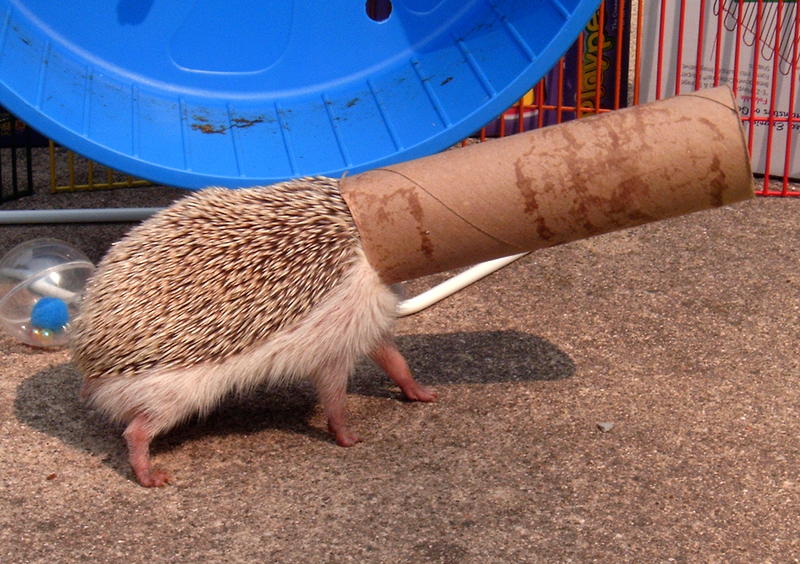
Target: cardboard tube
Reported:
point(552, 185)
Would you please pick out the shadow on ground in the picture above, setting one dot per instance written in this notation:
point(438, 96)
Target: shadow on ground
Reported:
point(49, 400)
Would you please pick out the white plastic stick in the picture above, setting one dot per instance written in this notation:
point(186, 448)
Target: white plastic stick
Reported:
point(42, 285)
point(96, 215)
point(453, 285)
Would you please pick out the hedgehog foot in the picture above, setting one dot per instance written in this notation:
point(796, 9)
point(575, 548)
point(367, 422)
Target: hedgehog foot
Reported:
point(331, 384)
point(344, 436)
point(392, 362)
point(138, 437)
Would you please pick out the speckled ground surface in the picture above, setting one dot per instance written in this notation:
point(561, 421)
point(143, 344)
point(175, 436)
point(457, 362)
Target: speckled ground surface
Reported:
point(683, 335)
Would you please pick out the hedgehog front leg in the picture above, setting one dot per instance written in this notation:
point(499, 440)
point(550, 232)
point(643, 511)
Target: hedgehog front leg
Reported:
point(388, 357)
point(138, 436)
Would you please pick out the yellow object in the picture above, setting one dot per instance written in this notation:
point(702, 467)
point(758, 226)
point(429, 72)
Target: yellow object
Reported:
point(98, 177)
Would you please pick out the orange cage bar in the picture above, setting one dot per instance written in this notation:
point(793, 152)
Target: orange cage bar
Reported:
point(636, 51)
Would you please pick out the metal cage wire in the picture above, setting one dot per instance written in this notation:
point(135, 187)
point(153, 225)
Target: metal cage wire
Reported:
point(719, 42)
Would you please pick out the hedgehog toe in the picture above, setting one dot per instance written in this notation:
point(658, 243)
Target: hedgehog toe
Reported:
point(152, 477)
point(345, 436)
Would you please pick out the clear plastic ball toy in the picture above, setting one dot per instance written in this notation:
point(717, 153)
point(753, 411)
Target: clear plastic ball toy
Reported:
point(41, 283)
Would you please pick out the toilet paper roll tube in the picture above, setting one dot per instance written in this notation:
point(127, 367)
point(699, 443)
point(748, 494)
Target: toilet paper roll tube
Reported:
point(552, 185)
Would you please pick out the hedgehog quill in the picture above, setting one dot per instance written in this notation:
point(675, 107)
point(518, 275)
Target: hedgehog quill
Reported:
point(227, 290)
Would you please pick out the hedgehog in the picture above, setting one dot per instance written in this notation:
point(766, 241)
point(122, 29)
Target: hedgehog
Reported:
point(227, 290)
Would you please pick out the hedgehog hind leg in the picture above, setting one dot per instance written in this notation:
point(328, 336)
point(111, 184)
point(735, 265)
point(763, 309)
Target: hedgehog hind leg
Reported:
point(138, 436)
point(331, 385)
point(390, 359)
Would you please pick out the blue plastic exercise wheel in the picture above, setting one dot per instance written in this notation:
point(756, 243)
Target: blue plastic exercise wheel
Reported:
point(245, 92)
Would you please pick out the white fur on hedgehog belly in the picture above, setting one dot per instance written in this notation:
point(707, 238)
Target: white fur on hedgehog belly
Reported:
point(346, 325)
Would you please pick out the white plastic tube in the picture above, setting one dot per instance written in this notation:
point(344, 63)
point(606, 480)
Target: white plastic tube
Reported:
point(96, 215)
point(453, 285)
point(43, 284)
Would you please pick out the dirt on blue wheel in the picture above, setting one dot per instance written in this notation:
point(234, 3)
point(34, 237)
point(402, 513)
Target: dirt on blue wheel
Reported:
point(239, 93)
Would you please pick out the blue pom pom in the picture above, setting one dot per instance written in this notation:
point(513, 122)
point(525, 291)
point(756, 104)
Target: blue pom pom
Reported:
point(50, 313)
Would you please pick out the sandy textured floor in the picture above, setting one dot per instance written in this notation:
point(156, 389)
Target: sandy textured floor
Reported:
point(682, 334)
